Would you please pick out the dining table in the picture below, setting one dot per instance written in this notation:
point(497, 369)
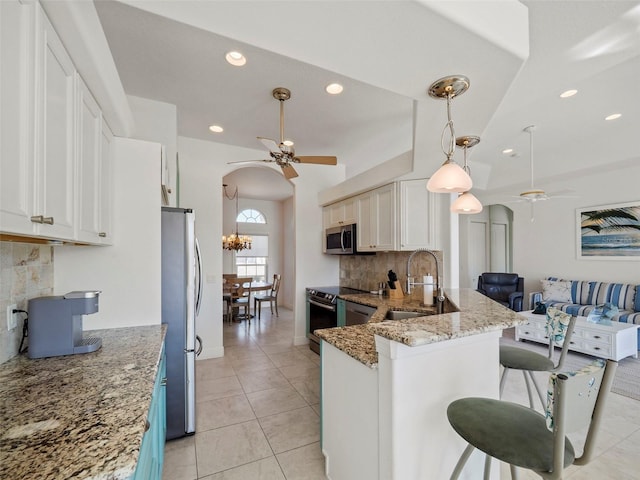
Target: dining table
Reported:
point(229, 288)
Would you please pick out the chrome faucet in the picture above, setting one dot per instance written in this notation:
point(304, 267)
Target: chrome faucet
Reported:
point(439, 297)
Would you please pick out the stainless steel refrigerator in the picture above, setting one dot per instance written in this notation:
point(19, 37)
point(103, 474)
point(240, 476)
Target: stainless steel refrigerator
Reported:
point(181, 296)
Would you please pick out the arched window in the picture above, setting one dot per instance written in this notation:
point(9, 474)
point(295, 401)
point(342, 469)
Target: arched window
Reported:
point(250, 215)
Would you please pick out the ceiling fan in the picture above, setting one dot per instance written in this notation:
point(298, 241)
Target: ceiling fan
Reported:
point(283, 153)
point(533, 194)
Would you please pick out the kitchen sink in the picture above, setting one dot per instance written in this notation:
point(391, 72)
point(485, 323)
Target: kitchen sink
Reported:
point(400, 315)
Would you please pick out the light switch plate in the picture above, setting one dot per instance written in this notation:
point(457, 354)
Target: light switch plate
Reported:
point(12, 318)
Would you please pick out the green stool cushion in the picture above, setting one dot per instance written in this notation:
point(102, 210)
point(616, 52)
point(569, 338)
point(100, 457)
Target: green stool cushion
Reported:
point(523, 359)
point(507, 431)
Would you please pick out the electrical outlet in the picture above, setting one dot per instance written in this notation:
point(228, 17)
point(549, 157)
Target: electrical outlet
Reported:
point(12, 318)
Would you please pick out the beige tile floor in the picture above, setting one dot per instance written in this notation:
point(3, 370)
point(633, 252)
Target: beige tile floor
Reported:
point(258, 415)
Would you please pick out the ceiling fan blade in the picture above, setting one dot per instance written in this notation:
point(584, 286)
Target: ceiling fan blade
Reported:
point(288, 171)
point(317, 159)
point(271, 145)
point(249, 161)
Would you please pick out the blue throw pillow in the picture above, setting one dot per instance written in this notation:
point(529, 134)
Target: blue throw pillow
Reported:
point(603, 314)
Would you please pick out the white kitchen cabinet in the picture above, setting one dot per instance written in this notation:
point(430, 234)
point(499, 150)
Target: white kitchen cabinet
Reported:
point(340, 213)
point(55, 180)
point(89, 147)
point(416, 215)
point(376, 219)
point(94, 169)
point(54, 134)
point(105, 230)
point(16, 118)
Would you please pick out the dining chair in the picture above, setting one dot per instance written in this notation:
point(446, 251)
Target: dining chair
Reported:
point(524, 438)
point(271, 297)
point(240, 297)
point(559, 329)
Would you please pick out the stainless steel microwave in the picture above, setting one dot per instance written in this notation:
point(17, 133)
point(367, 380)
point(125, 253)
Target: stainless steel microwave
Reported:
point(342, 241)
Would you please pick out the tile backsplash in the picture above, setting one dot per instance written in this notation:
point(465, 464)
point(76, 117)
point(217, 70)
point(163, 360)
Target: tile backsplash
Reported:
point(26, 271)
point(364, 272)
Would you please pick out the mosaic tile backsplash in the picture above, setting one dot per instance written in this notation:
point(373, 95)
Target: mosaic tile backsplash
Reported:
point(364, 272)
point(26, 271)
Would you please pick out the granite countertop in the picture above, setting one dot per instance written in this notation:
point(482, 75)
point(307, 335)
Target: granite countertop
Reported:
point(475, 314)
point(79, 416)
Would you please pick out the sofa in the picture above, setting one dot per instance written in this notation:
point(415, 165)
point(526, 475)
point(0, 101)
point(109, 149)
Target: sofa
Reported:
point(579, 297)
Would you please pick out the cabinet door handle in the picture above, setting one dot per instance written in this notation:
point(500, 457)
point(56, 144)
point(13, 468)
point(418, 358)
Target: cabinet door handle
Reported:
point(37, 219)
point(47, 220)
point(597, 348)
point(102, 234)
point(147, 425)
point(596, 336)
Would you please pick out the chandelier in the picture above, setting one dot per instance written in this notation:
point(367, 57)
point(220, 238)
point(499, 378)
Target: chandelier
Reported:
point(235, 241)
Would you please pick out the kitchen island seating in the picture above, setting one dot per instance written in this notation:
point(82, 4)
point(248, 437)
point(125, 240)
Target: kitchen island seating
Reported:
point(504, 288)
point(524, 438)
point(271, 297)
point(559, 329)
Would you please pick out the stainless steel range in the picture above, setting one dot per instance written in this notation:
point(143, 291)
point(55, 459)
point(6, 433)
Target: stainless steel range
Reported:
point(322, 311)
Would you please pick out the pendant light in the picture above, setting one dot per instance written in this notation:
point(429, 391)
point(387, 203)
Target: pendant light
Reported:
point(450, 177)
point(466, 203)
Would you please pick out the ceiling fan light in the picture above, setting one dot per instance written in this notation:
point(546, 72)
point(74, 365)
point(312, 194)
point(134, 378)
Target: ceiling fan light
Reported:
point(450, 178)
point(288, 143)
point(466, 204)
point(235, 58)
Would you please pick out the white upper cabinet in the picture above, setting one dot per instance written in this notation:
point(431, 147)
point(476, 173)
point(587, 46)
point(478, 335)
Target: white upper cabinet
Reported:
point(55, 162)
point(340, 213)
point(89, 158)
point(376, 222)
point(416, 216)
point(54, 134)
point(105, 229)
point(16, 121)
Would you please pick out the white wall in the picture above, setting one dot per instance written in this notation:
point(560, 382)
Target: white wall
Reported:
point(547, 246)
point(158, 122)
point(127, 273)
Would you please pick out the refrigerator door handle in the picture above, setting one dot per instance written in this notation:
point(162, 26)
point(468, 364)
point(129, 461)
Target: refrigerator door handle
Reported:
point(199, 350)
point(199, 266)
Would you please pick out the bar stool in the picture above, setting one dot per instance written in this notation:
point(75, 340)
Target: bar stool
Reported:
point(524, 438)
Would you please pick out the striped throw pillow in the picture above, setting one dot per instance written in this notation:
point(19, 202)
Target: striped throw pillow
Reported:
point(598, 293)
point(580, 292)
point(622, 295)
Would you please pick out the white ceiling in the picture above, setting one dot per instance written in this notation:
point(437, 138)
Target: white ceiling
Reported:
point(386, 54)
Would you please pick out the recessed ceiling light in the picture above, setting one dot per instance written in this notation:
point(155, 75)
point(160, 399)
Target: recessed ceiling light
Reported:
point(568, 93)
point(334, 88)
point(216, 129)
point(236, 59)
point(613, 116)
point(288, 143)
point(507, 151)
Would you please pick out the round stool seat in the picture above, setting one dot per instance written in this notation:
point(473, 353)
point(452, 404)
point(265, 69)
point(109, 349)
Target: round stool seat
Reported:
point(523, 359)
point(507, 431)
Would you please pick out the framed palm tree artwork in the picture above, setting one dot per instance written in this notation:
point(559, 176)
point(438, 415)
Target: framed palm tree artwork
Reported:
point(609, 232)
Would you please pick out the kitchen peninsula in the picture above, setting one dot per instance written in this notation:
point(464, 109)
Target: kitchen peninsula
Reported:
point(82, 416)
point(386, 386)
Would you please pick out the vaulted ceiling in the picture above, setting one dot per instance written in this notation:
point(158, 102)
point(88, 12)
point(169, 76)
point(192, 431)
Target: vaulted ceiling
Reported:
point(519, 57)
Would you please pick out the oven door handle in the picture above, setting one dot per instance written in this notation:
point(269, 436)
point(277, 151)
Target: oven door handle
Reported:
point(331, 308)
